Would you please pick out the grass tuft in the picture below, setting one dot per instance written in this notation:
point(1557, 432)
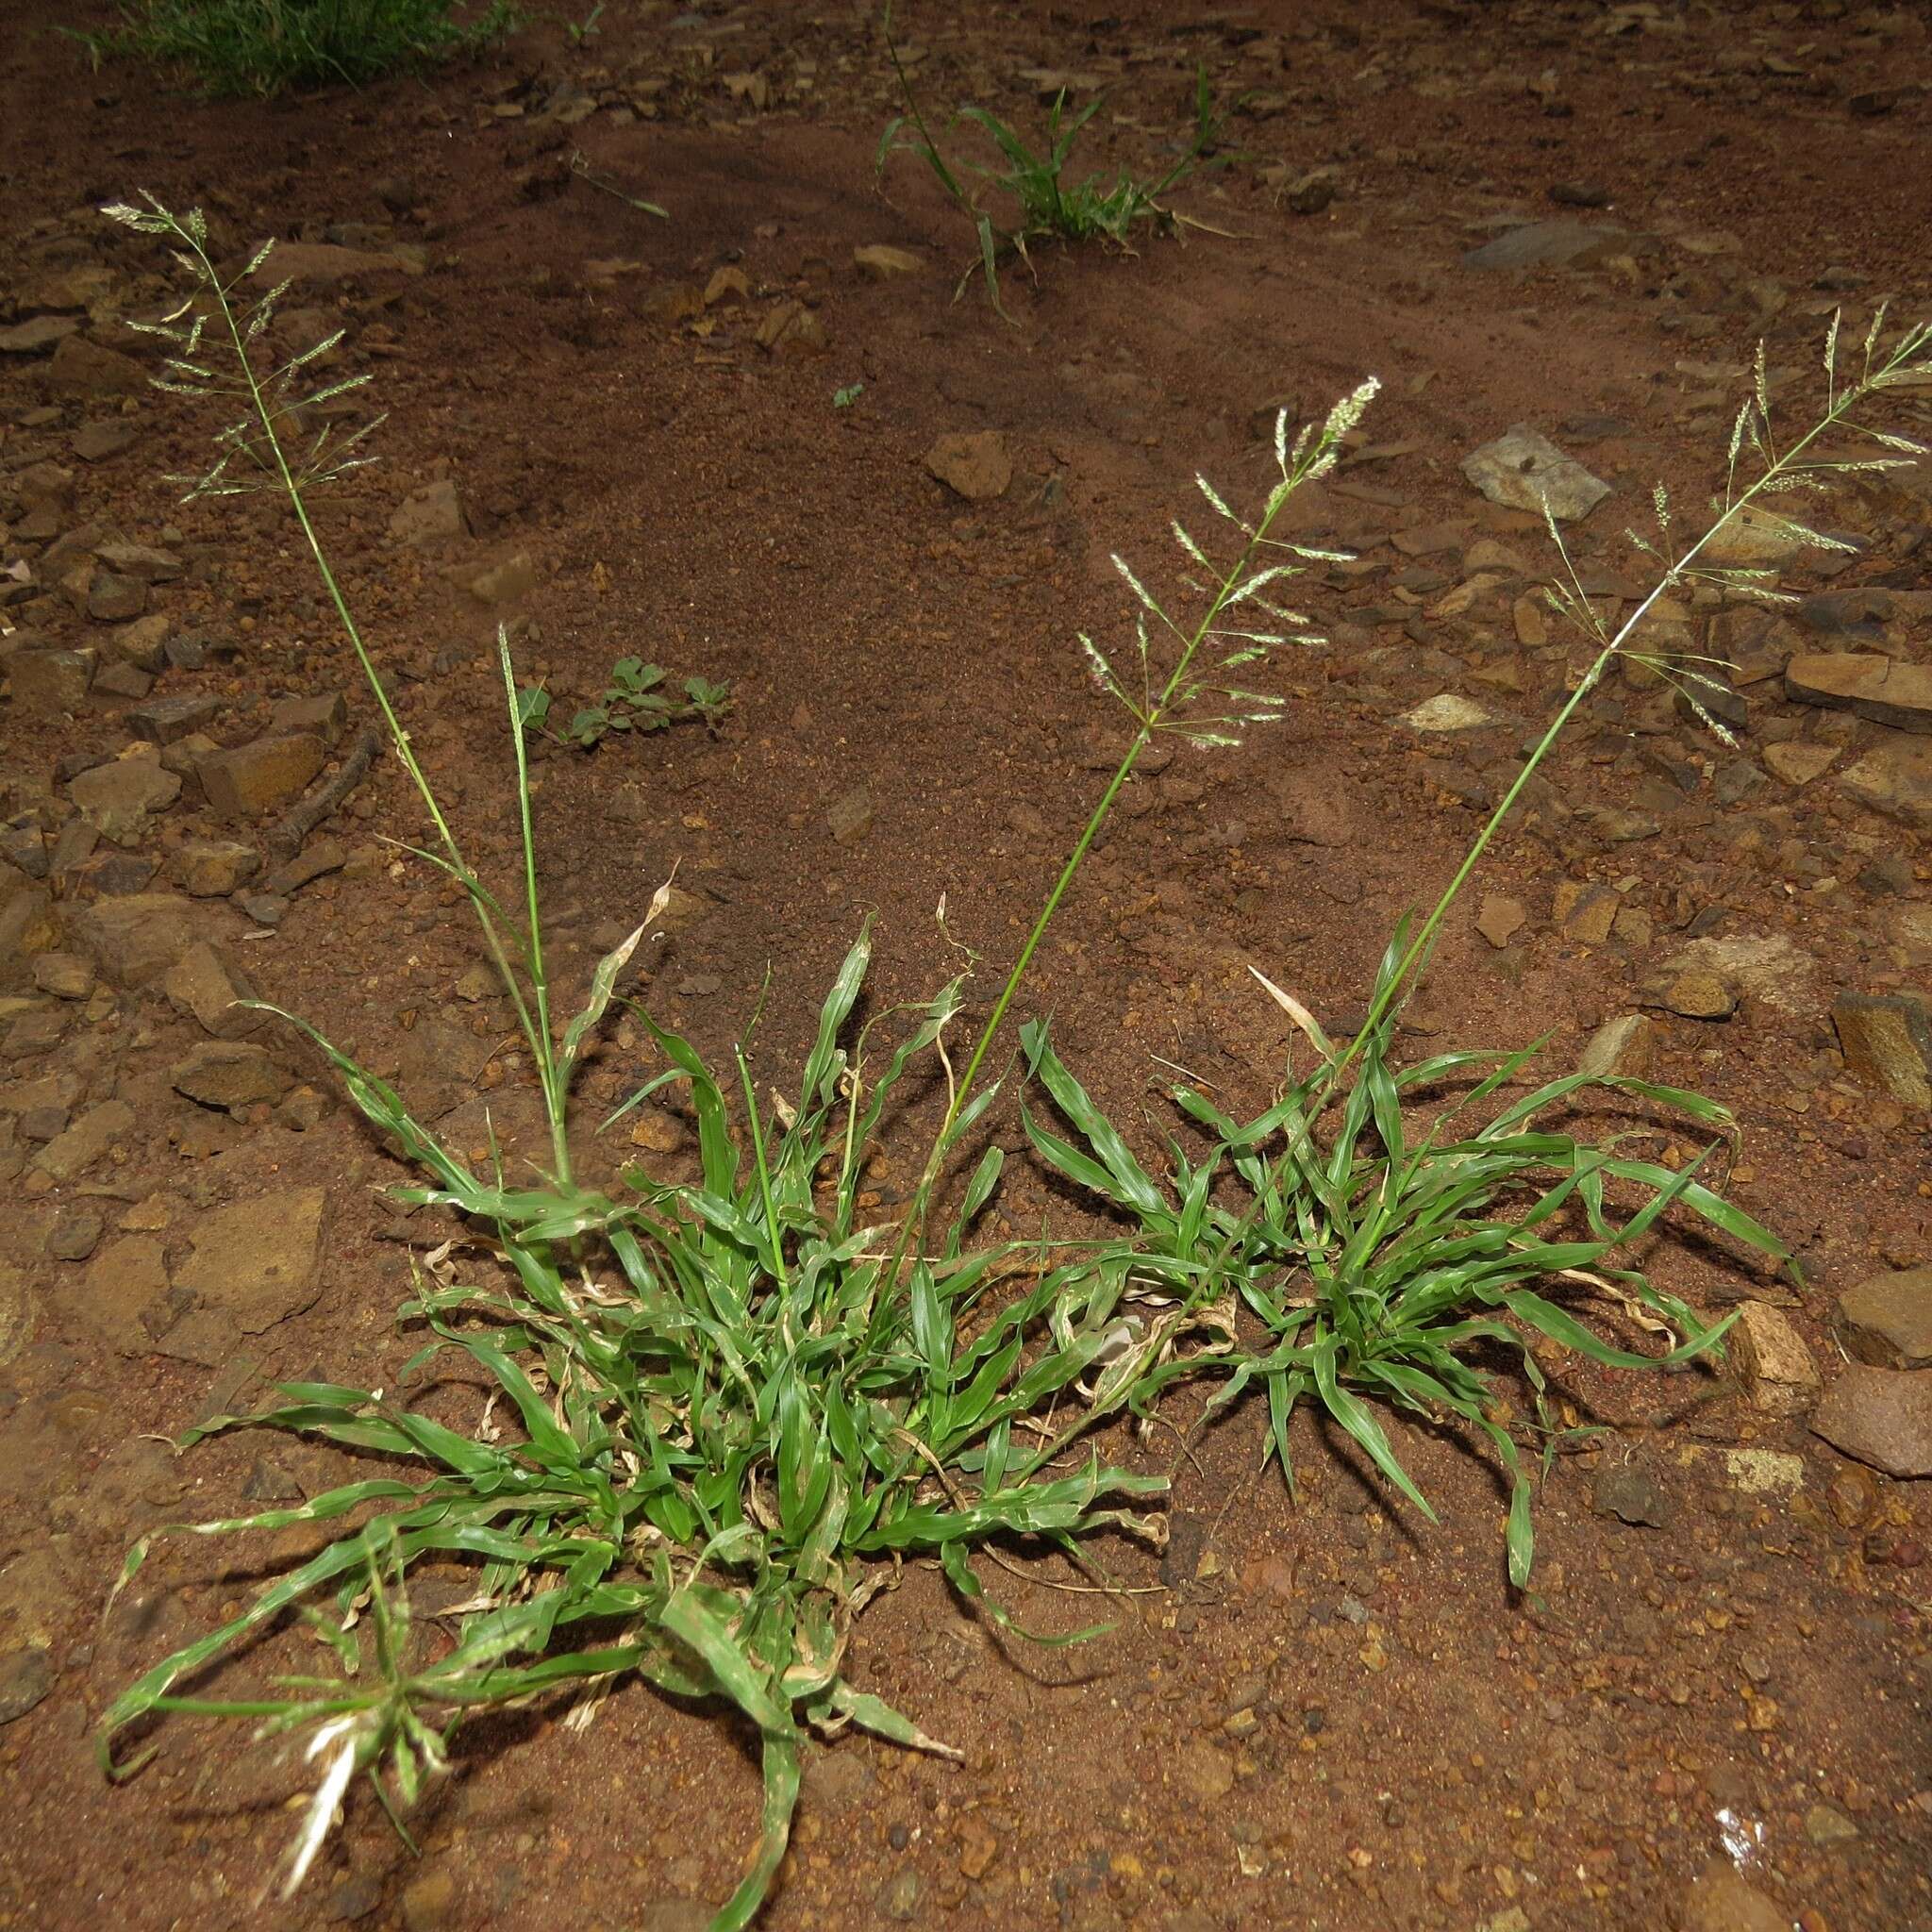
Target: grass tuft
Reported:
point(1376, 1260)
point(730, 1408)
point(1047, 205)
point(268, 47)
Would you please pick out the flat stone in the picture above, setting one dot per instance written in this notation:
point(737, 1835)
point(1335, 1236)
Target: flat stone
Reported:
point(1862, 612)
point(230, 1074)
point(37, 334)
point(1867, 684)
point(135, 938)
point(1585, 912)
point(1620, 1048)
point(113, 598)
point(126, 1278)
point(320, 264)
point(1826, 1825)
point(1552, 244)
point(142, 561)
point(850, 815)
point(1753, 539)
point(430, 514)
point(506, 582)
point(1886, 1321)
point(1694, 992)
point(249, 779)
point(1880, 1416)
point(885, 264)
point(254, 1263)
point(793, 330)
point(16, 1312)
point(93, 442)
point(81, 367)
point(1524, 469)
point(1886, 1042)
point(325, 715)
point(1798, 763)
point(118, 681)
point(119, 798)
point(64, 975)
point(145, 644)
point(204, 983)
point(27, 1680)
point(1720, 1899)
point(1771, 967)
point(29, 927)
point(977, 467)
point(1631, 1494)
point(163, 721)
point(46, 681)
point(69, 1155)
point(1499, 919)
point(1447, 711)
point(1773, 1364)
point(1895, 778)
point(214, 868)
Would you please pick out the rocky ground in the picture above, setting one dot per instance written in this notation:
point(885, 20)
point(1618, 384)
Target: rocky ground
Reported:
point(760, 443)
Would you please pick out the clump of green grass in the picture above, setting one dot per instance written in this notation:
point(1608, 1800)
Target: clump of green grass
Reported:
point(1047, 205)
point(267, 47)
point(732, 1407)
point(1375, 1259)
point(634, 700)
point(735, 1407)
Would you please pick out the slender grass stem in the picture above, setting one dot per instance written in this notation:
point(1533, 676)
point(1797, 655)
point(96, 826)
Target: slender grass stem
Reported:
point(533, 1024)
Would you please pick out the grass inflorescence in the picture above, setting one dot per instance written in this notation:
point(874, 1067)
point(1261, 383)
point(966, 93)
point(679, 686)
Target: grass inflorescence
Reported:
point(730, 1408)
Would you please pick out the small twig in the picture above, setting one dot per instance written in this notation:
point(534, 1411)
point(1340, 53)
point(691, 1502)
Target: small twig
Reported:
point(320, 800)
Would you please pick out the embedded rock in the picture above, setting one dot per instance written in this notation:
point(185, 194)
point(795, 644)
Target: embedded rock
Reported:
point(204, 983)
point(231, 1075)
point(254, 1263)
point(977, 467)
point(1880, 1416)
point(1887, 1041)
point(1772, 1362)
point(1886, 1322)
point(884, 263)
point(432, 514)
point(250, 779)
point(1866, 683)
point(1524, 469)
point(119, 798)
point(136, 938)
point(1553, 244)
point(1895, 779)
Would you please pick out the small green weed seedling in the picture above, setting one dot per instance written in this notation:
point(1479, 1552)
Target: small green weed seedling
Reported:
point(1375, 1258)
point(267, 47)
point(1047, 205)
point(735, 1409)
point(634, 700)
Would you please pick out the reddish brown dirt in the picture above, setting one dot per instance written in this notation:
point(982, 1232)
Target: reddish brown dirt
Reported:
point(1333, 1715)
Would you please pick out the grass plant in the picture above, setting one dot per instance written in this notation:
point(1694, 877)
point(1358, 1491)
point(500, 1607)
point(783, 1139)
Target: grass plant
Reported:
point(1047, 203)
point(732, 1407)
point(267, 47)
point(1376, 1260)
point(738, 1408)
